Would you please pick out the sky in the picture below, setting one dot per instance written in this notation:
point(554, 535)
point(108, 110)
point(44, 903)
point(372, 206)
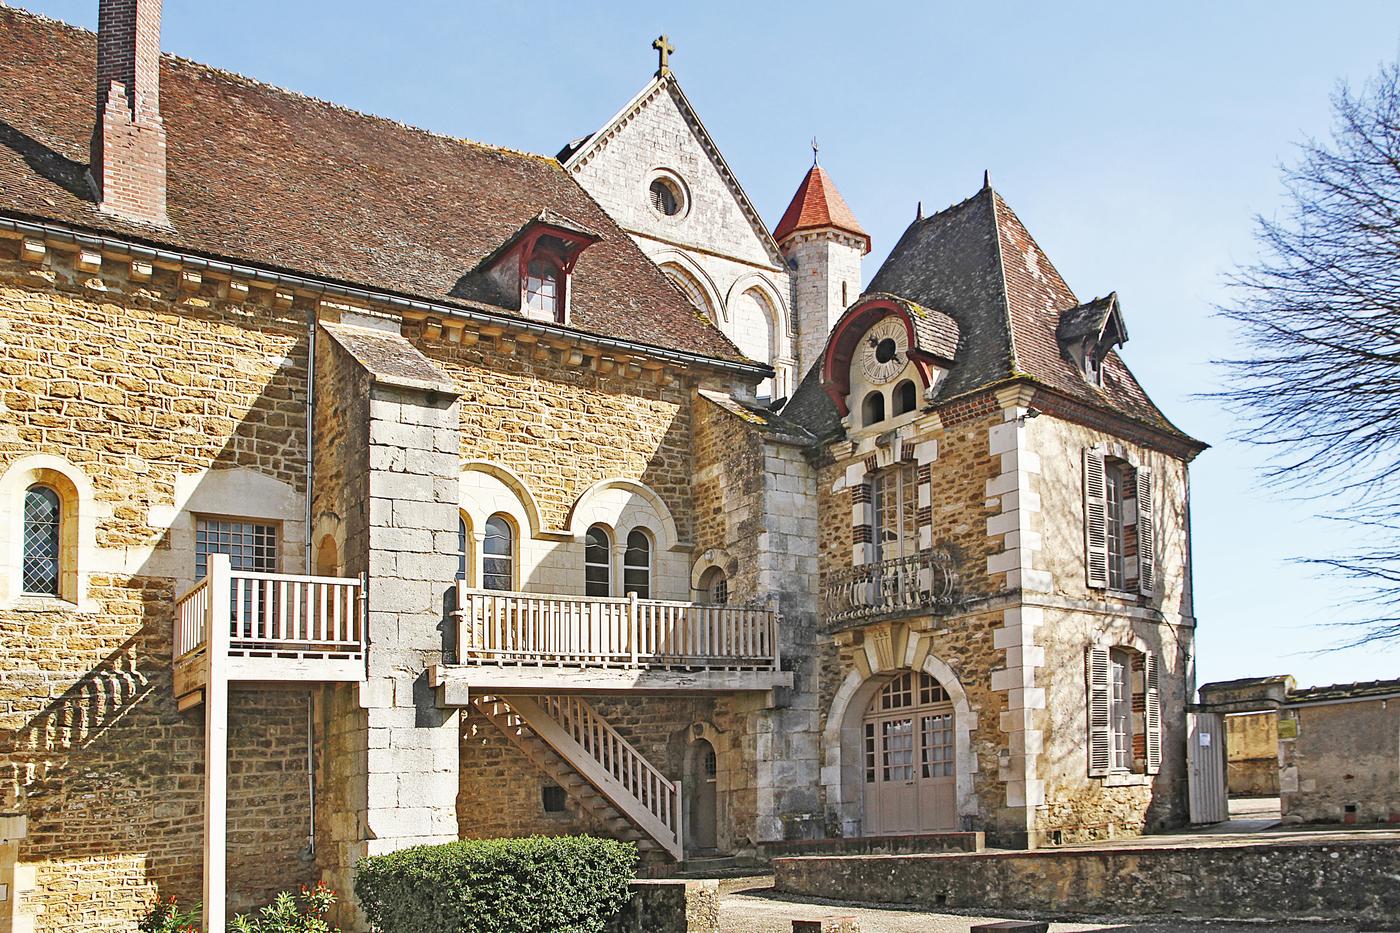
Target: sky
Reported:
point(1136, 141)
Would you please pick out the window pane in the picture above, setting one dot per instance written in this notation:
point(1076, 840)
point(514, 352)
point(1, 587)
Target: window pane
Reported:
point(1113, 502)
point(250, 546)
point(1120, 712)
point(542, 287)
point(636, 564)
point(597, 562)
point(498, 553)
point(461, 548)
point(41, 518)
point(898, 738)
point(498, 541)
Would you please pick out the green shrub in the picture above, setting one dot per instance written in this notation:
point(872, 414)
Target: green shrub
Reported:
point(566, 884)
point(283, 915)
point(167, 917)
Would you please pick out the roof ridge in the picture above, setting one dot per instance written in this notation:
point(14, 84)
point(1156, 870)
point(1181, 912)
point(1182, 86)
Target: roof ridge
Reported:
point(1013, 359)
point(239, 78)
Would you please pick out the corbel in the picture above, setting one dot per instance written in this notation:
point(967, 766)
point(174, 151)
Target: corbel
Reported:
point(141, 270)
point(33, 250)
point(432, 328)
point(190, 280)
point(236, 290)
point(572, 357)
point(89, 260)
point(452, 329)
point(282, 299)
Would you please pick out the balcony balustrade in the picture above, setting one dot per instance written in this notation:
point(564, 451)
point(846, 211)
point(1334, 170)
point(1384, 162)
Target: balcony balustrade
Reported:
point(274, 627)
point(926, 581)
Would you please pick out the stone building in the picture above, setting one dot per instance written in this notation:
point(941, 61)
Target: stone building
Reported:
point(363, 487)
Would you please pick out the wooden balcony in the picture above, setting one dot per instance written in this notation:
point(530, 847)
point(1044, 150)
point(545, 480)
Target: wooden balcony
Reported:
point(276, 627)
point(527, 642)
point(925, 582)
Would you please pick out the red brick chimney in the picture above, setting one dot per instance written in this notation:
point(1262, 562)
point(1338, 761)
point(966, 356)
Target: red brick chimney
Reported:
point(128, 142)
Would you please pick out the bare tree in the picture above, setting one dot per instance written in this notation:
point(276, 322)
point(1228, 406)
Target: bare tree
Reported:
point(1318, 382)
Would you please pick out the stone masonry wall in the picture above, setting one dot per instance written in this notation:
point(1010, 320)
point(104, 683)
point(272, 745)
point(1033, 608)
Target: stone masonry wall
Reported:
point(138, 385)
point(1344, 755)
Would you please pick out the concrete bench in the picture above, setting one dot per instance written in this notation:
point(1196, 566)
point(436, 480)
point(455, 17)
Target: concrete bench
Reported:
point(1013, 926)
point(826, 925)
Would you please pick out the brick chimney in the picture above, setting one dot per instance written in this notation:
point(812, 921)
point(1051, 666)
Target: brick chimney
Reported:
point(128, 142)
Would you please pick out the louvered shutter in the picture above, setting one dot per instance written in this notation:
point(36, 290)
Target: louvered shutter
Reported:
point(1100, 741)
point(1153, 713)
point(1146, 533)
point(1095, 520)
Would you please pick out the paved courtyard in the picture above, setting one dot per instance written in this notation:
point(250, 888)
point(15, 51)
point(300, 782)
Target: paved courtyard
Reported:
point(750, 906)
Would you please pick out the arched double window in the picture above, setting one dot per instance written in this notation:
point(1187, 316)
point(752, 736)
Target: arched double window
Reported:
point(498, 554)
point(43, 513)
point(636, 564)
point(597, 562)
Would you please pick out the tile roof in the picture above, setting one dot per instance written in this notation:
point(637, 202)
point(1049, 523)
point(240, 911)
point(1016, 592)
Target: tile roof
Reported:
point(977, 263)
point(1359, 690)
point(271, 178)
point(818, 205)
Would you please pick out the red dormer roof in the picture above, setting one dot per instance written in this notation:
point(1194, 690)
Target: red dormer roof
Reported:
point(818, 205)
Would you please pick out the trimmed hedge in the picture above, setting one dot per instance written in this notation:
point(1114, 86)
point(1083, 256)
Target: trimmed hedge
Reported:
point(564, 884)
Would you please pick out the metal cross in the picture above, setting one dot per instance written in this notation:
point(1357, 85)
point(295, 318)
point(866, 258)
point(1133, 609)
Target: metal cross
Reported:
point(664, 49)
point(815, 147)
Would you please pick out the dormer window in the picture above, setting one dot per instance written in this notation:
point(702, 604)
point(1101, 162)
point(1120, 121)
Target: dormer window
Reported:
point(533, 269)
point(1088, 332)
point(542, 289)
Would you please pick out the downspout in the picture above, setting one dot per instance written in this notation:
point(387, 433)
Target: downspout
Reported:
point(310, 569)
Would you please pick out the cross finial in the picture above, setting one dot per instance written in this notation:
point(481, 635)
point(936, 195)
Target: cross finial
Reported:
point(664, 48)
point(815, 147)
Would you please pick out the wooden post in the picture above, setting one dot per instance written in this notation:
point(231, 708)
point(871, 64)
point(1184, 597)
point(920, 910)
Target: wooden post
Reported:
point(635, 624)
point(217, 625)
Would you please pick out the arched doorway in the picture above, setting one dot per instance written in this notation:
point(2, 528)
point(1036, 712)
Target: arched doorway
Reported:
point(909, 760)
point(701, 786)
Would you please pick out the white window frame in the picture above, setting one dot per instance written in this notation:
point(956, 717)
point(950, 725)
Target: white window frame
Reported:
point(605, 564)
point(629, 568)
point(509, 559)
point(896, 501)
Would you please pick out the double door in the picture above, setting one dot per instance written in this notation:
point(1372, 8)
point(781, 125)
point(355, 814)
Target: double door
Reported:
point(910, 782)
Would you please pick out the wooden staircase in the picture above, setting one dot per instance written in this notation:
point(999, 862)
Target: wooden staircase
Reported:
point(566, 739)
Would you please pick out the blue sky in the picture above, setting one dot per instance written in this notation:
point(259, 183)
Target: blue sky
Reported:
point(1136, 142)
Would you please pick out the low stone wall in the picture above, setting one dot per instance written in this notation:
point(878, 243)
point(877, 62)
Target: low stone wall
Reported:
point(913, 844)
point(670, 906)
point(1339, 880)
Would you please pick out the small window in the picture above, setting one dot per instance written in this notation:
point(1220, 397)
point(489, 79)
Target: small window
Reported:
point(542, 288)
point(714, 587)
point(1113, 515)
point(42, 515)
point(597, 562)
point(711, 764)
point(553, 798)
point(1120, 666)
point(463, 547)
point(251, 546)
point(498, 554)
point(873, 408)
point(665, 197)
point(906, 397)
point(636, 564)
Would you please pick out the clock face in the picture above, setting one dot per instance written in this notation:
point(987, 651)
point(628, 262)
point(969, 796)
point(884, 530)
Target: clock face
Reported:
point(884, 351)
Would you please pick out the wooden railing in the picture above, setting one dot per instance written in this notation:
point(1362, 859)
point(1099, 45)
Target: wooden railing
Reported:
point(648, 787)
point(925, 581)
point(271, 614)
point(500, 627)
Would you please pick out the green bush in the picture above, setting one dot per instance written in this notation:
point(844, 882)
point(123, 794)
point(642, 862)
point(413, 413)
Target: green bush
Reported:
point(167, 917)
point(566, 884)
point(284, 915)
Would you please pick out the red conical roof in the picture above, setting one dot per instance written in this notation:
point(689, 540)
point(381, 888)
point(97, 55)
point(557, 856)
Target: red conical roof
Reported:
point(817, 205)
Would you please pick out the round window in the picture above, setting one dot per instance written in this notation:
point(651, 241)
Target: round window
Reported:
point(665, 197)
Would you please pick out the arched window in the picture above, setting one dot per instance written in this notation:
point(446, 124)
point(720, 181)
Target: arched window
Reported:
point(906, 397)
point(873, 408)
point(714, 587)
point(542, 288)
point(498, 554)
point(464, 547)
point(665, 197)
point(597, 562)
point(42, 515)
point(753, 332)
point(636, 564)
point(691, 288)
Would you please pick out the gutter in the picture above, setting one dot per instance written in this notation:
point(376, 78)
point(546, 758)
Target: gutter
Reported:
point(756, 371)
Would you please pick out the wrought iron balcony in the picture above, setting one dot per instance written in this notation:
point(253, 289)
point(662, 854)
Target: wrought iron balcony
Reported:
point(921, 582)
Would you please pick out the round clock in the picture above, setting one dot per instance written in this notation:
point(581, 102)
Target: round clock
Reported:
point(885, 350)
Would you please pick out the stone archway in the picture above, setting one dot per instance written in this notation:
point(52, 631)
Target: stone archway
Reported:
point(843, 739)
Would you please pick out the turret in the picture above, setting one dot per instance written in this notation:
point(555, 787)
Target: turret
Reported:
point(823, 244)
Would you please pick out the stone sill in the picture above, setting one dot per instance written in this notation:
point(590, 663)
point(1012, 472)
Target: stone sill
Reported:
point(29, 603)
point(1127, 779)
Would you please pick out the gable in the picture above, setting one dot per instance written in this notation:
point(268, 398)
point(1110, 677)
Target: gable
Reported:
point(659, 132)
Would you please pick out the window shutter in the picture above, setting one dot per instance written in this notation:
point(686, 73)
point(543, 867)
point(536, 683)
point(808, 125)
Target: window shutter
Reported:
point(1153, 713)
point(1096, 670)
point(1095, 520)
point(1146, 533)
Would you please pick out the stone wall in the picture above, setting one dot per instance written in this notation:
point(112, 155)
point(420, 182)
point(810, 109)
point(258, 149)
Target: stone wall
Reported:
point(1251, 748)
point(166, 397)
point(1342, 881)
point(1342, 764)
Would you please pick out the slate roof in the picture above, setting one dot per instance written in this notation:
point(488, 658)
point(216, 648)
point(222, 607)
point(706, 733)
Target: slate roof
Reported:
point(271, 178)
point(1087, 320)
point(977, 263)
point(1353, 691)
point(818, 205)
